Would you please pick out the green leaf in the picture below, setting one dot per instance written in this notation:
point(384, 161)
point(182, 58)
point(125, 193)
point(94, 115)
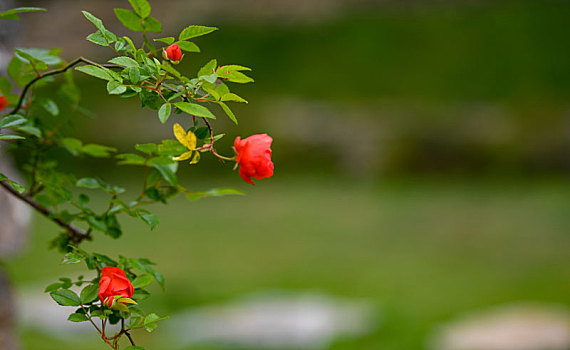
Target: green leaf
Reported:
point(11, 137)
point(12, 13)
point(66, 282)
point(141, 7)
point(160, 279)
point(210, 78)
point(134, 75)
point(40, 58)
point(5, 85)
point(215, 192)
point(83, 200)
point(132, 347)
point(168, 40)
point(164, 112)
point(194, 109)
point(151, 24)
point(150, 321)
point(89, 293)
point(98, 151)
point(71, 258)
point(77, 317)
point(151, 99)
point(195, 31)
point(229, 112)
point(208, 68)
point(18, 72)
point(233, 68)
point(74, 146)
point(97, 72)
point(124, 61)
point(143, 281)
point(130, 159)
point(96, 21)
point(202, 132)
point(129, 19)
point(148, 148)
point(65, 297)
point(150, 219)
point(131, 44)
point(141, 294)
point(97, 38)
point(49, 105)
point(14, 185)
point(232, 73)
point(188, 46)
point(115, 88)
point(88, 182)
point(232, 97)
point(52, 287)
point(113, 227)
point(105, 259)
point(29, 129)
point(12, 120)
point(168, 172)
point(170, 148)
point(96, 223)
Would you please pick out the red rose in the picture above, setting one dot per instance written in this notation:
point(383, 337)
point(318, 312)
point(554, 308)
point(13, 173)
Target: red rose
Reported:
point(114, 282)
point(3, 102)
point(254, 157)
point(173, 53)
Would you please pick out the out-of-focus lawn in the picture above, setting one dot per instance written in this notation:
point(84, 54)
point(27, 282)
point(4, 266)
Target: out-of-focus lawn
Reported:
point(423, 251)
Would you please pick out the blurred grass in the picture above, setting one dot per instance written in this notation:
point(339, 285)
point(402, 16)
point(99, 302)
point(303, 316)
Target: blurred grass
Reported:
point(422, 251)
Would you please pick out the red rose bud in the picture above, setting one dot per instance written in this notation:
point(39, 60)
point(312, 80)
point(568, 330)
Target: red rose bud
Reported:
point(254, 157)
point(3, 102)
point(114, 282)
point(173, 53)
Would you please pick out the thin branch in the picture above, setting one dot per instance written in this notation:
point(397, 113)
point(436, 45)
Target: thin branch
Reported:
point(211, 131)
point(126, 331)
point(54, 72)
point(76, 234)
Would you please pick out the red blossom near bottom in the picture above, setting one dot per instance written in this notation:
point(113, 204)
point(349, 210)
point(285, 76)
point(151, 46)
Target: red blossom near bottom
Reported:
point(254, 157)
point(114, 282)
point(3, 102)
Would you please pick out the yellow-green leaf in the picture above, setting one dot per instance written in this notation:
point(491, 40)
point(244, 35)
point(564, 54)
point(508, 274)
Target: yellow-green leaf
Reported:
point(187, 139)
point(196, 158)
point(183, 156)
point(127, 301)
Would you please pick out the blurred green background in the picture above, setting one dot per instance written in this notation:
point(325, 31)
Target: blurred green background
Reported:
point(421, 153)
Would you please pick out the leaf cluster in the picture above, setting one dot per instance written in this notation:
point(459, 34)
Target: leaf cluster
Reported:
point(38, 129)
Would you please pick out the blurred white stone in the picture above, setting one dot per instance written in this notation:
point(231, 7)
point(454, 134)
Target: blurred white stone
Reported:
point(511, 327)
point(274, 321)
point(37, 310)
